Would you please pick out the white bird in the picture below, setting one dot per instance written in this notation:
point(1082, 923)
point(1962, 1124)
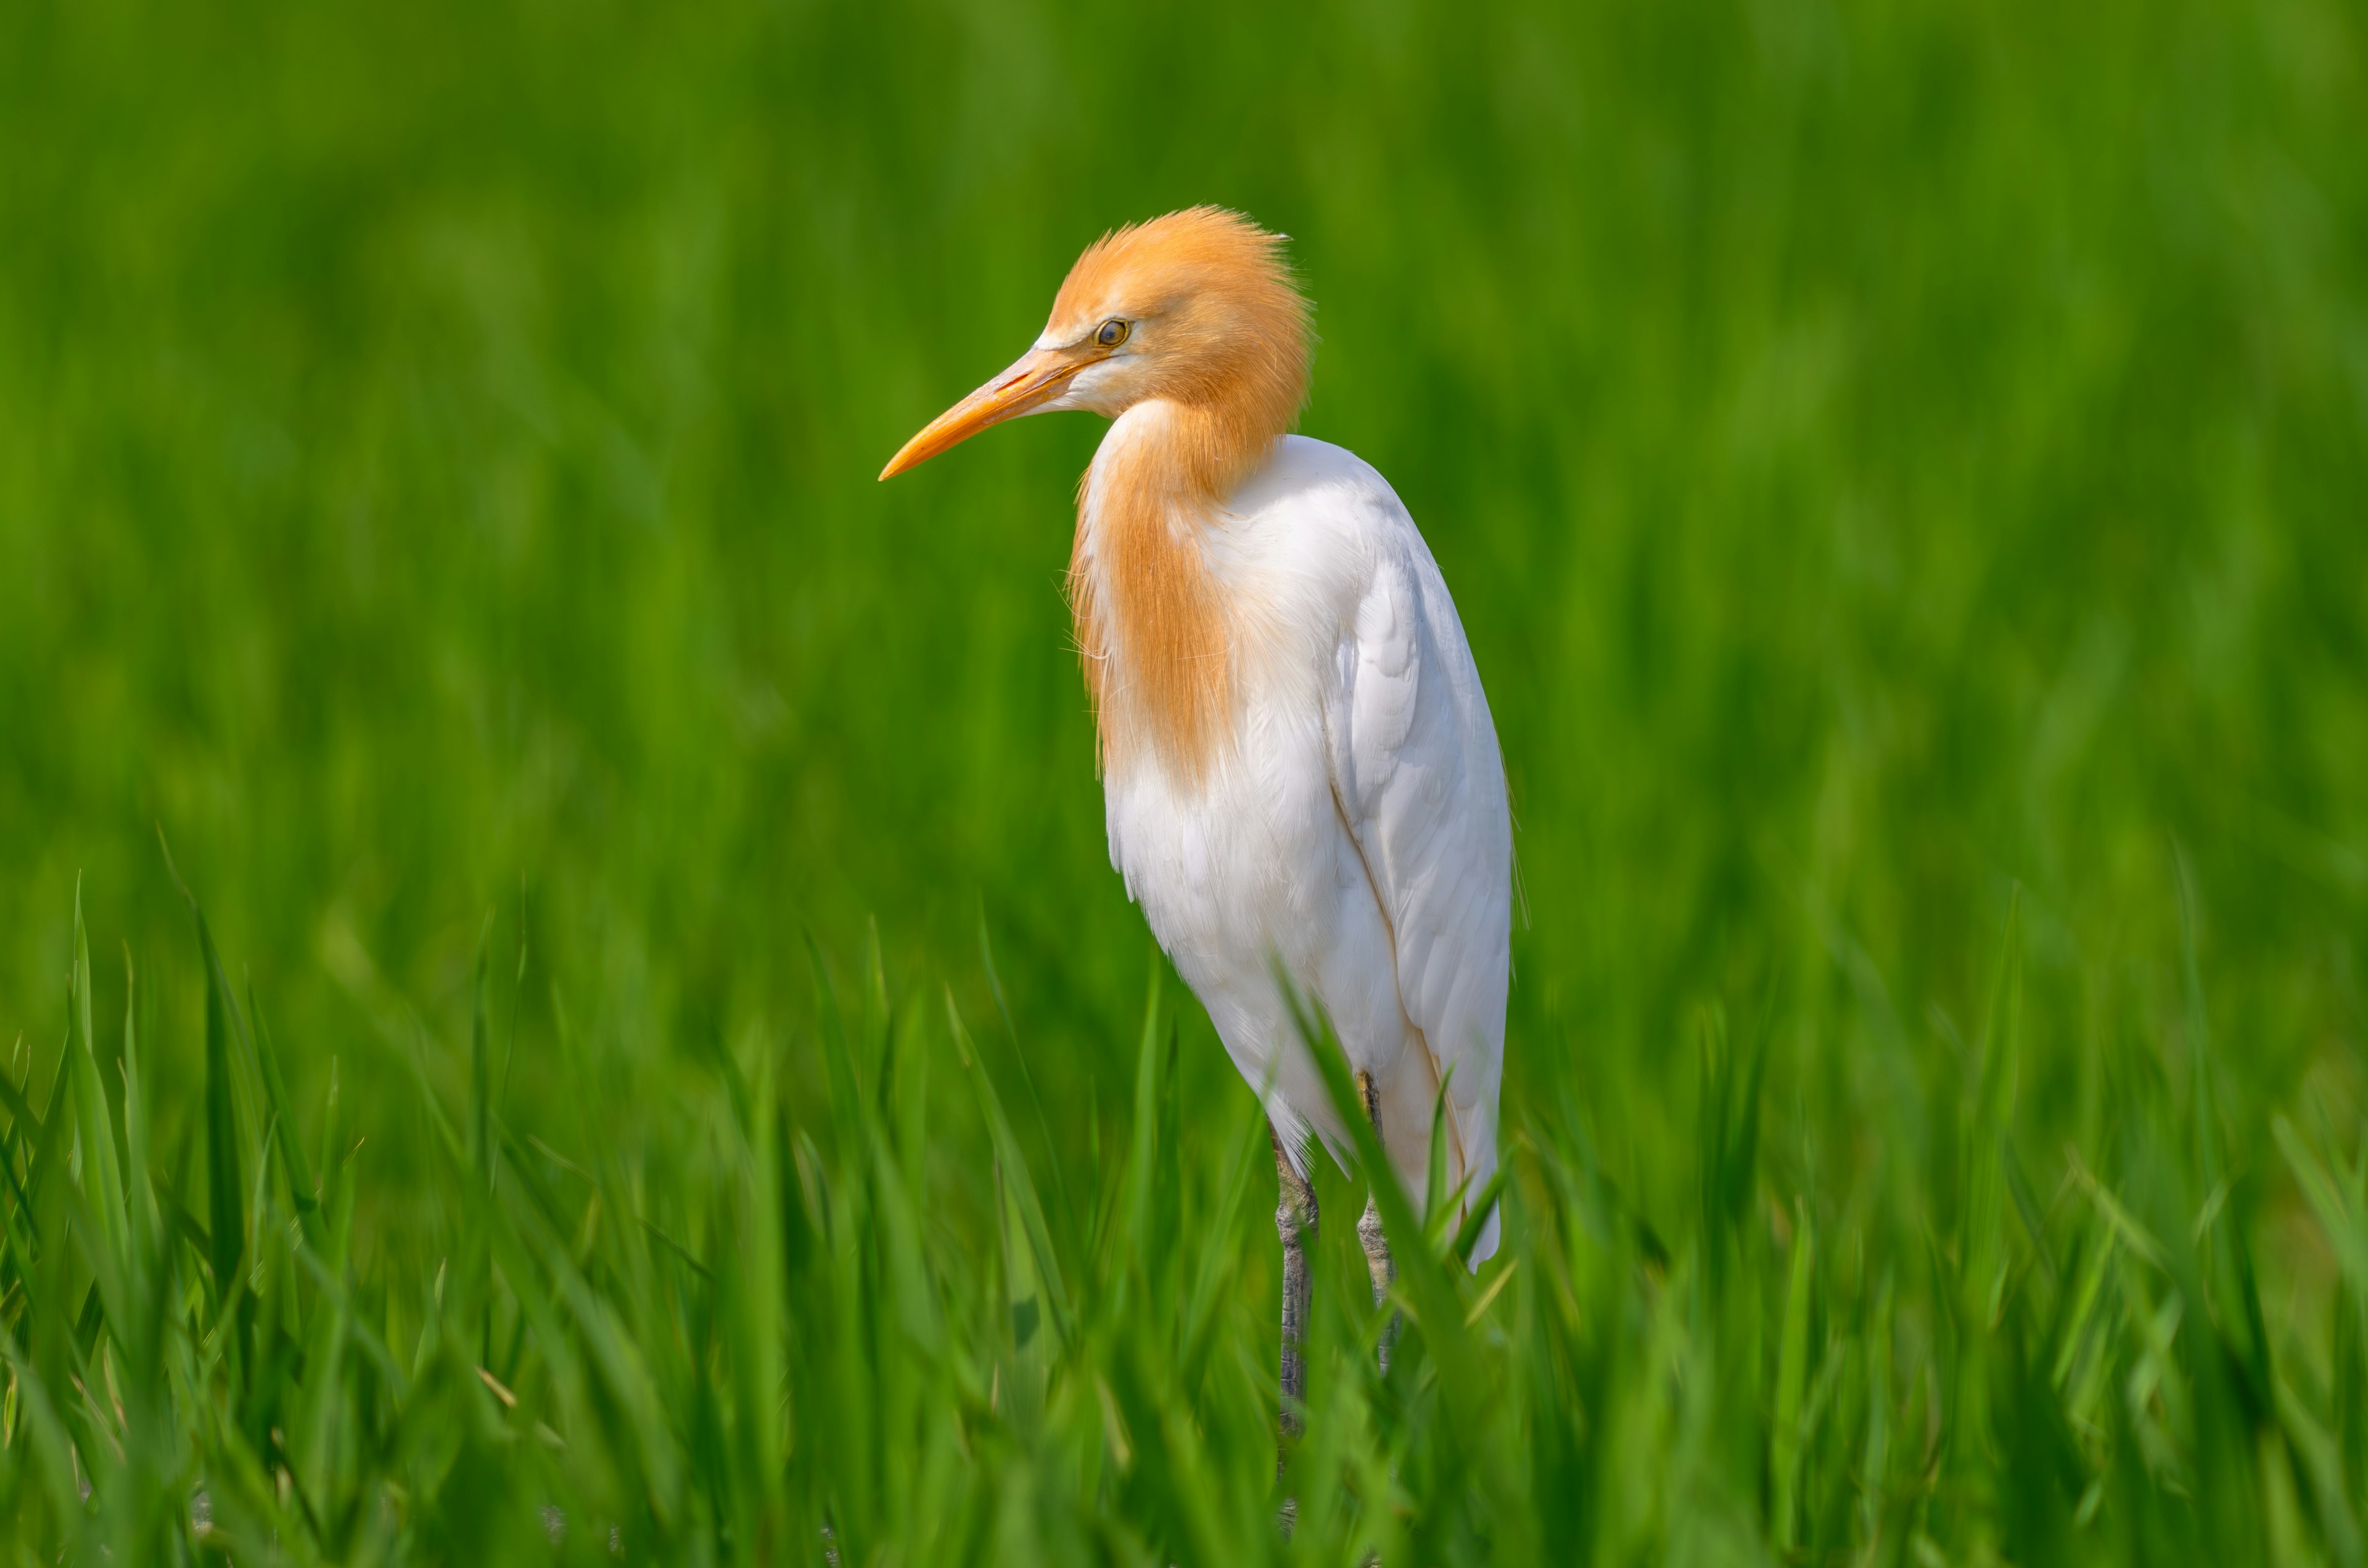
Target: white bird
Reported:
point(1298, 762)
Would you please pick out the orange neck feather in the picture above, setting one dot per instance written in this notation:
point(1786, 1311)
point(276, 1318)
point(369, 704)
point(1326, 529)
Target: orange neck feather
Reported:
point(1152, 625)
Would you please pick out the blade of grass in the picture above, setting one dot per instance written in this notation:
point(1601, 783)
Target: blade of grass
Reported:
point(1022, 1185)
point(1785, 1454)
point(102, 1175)
point(294, 1168)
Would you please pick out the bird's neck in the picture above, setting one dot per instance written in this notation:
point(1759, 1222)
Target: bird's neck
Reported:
point(1154, 627)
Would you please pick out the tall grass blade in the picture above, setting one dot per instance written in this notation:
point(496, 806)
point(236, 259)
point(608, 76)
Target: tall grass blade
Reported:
point(1141, 1166)
point(481, 1085)
point(1785, 1457)
point(102, 1175)
point(225, 1183)
point(1019, 1184)
point(294, 1168)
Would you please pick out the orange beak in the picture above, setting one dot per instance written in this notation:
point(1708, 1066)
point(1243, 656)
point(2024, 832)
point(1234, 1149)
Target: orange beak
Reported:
point(1037, 378)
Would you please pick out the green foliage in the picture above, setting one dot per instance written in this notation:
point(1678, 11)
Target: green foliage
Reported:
point(738, 1343)
point(1902, 472)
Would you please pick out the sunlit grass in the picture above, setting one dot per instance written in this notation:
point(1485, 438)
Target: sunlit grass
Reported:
point(728, 1335)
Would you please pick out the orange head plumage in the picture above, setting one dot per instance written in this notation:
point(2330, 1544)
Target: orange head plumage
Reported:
point(1196, 313)
point(1198, 309)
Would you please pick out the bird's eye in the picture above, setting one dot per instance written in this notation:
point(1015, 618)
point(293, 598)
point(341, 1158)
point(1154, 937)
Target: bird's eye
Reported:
point(1113, 333)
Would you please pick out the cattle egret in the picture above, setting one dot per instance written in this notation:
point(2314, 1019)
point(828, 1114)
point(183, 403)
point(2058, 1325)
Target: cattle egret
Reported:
point(1302, 785)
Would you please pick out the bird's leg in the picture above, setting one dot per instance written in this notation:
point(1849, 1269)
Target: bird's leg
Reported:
point(1369, 1228)
point(1294, 1221)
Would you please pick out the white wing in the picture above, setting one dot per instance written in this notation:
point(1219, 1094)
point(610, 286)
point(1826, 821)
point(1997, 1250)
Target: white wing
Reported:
point(1421, 786)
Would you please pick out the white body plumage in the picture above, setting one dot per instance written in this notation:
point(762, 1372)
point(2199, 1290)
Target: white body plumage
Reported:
point(1304, 788)
point(1353, 828)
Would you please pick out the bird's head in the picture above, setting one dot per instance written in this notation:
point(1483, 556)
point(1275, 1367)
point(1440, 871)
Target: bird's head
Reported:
point(1197, 308)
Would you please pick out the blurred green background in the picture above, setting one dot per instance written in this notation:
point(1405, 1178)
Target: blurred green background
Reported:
point(1880, 456)
point(1883, 456)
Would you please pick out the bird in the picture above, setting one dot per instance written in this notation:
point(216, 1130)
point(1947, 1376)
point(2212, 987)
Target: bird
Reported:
point(1303, 786)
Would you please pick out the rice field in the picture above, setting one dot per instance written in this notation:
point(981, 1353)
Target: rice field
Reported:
point(564, 995)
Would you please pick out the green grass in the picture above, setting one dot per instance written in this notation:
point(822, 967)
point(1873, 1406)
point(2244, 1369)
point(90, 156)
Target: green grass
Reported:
point(676, 1054)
